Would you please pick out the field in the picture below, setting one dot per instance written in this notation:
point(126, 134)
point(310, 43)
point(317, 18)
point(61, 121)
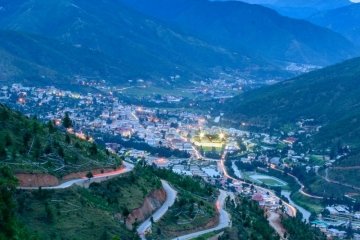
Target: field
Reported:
point(310, 204)
point(268, 180)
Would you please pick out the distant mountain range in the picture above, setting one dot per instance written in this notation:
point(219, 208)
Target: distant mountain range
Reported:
point(121, 40)
point(31, 58)
point(301, 8)
point(254, 29)
point(344, 20)
point(330, 95)
point(106, 40)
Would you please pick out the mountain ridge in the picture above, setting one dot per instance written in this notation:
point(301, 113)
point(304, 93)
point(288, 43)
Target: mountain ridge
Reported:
point(343, 20)
point(257, 29)
point(136, 45)
point(329, 95)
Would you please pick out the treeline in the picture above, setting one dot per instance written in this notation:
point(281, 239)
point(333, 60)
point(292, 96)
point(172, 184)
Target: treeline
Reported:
point(298, 230)
point(10, 228)
point(143, 146)
point(248, 221)
point(25, 142)
point(195, 185)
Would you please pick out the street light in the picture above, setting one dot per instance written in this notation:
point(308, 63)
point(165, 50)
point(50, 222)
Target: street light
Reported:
point(222, 135)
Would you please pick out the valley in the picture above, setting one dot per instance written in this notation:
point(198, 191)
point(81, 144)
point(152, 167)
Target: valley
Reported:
point(181, 119)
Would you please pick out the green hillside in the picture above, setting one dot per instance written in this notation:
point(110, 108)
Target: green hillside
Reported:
point(253, 29)
point(36, 60)
point(94, 213)
point(29, 146)
point(126, 44)
point(330, 95)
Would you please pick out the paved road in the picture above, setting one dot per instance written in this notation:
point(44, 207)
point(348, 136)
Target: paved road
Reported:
point(85, 182)
point(326, 178)
point(170, 199)
point(224, 219)
point(302, 186)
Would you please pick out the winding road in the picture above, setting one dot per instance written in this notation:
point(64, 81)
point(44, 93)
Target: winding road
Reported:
point(327, 179)
point(158, 214)
point(302, 186)
point(85, 182)
point(224, 219)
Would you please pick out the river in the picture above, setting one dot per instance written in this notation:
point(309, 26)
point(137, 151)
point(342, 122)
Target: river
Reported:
point(306, 214)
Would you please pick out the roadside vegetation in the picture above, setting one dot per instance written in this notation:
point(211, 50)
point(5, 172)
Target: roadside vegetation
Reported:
point(99, 212)
point(298, 230)
point(248, 221)
point(193, 210)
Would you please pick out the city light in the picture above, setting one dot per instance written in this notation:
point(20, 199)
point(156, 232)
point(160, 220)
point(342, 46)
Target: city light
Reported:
point(221, 135)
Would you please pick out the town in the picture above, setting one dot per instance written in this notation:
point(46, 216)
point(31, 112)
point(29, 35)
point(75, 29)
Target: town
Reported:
point(192, 142)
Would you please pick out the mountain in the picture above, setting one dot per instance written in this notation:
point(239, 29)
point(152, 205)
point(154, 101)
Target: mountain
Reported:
point(36, 60)
point(121, 43)
point(254, 29)
point(330, 95)
point(301, 8)
point(343, 20)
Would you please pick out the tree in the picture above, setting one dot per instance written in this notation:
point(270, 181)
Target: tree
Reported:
point(3, 153)
point(67, 123)
point(8, 185)
point(93, 149)
point(49, 213)
point(89, 175)
point(67, 139)
point(105, 235)
point(125, 213)
point(61, 152)
point(8, 140)
point(4, 114)
point(37, 148)
point(51, 127)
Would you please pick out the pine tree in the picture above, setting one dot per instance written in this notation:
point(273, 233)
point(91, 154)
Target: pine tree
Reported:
point(67, 139)
point(93, 149)
point(3, 153)
point(67, 123)
point(51, 127)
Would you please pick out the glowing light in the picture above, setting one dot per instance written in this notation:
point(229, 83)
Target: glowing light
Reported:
point(21, 100)
point(57, 122)
point(221, 135)
point(202, 134)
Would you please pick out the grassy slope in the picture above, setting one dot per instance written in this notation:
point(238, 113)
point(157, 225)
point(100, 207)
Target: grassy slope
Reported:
point(29, 146)
point(79, 213)
point(193, 209)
